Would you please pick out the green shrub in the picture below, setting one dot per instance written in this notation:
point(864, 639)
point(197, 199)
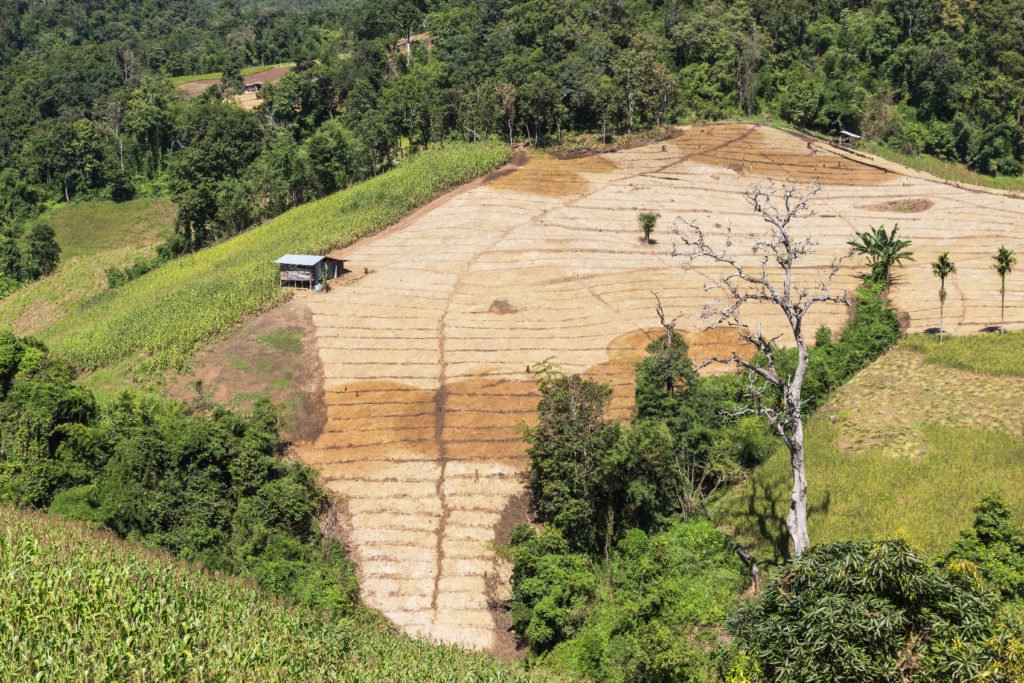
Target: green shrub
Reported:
point(652, 612)
point(871, 611)
point(207, 487)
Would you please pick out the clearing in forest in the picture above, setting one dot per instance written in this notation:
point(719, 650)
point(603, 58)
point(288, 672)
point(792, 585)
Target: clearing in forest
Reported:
point(427, 354)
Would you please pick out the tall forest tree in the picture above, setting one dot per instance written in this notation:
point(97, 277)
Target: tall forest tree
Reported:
point(771, 279)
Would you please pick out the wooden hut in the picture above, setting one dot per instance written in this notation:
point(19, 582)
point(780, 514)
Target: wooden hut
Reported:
point(303, 270)
point(847, 139)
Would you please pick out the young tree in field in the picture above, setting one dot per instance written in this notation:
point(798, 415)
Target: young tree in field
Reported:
point(942, 268)
point(769, 278)
point(884, 250)
point(1005, 260)
point(647, 222)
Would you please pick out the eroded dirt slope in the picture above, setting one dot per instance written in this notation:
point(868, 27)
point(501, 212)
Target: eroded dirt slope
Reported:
point(428, 356)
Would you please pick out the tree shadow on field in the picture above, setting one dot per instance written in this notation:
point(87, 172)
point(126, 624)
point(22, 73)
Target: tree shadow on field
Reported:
point(767, 506)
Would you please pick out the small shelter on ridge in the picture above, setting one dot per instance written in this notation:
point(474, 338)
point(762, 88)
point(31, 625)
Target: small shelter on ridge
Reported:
point(307, 270)
point(847, 139)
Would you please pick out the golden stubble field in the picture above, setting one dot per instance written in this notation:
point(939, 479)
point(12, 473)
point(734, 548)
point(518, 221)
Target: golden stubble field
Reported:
point(427, 353)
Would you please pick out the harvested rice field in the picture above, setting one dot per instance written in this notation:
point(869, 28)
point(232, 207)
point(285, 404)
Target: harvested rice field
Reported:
point(428, 348)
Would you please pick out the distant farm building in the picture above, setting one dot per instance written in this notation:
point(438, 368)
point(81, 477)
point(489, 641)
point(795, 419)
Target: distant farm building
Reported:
point(304, 270)
point(846, 139)
point(405, 45)
point(255, 86)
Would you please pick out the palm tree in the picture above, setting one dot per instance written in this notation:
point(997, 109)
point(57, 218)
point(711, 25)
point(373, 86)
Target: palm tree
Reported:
point(1005, 261)
point(884, 250)
point(942, 268)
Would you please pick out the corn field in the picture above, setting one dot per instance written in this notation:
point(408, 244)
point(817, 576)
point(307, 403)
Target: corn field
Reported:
point(164, 314)
point(82, 605)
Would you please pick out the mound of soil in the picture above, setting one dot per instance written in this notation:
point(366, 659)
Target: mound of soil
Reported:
point(916, 205)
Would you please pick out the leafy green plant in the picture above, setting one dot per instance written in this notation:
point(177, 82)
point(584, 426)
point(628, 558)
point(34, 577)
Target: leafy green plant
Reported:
point(884, 250)
point(647, 222)
point(871, 611)
point(650, 612)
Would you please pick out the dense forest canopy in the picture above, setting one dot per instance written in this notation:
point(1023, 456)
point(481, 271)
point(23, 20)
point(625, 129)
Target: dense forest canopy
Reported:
point(88, 107)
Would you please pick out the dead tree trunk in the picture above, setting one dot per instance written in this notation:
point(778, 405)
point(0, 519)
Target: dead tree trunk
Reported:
point(769, 278)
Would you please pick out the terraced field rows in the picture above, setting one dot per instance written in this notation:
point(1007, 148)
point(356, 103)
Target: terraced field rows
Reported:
point(428, 358)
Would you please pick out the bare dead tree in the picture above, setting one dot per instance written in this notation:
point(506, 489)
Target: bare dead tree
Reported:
point(668, 325)
point(770, 279)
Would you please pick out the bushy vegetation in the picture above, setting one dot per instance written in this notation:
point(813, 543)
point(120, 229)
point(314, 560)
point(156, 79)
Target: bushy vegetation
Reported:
point(210, 488)
point(602, 589)
point(165, 313)
point(652, 612)
point(877, 611)
point(82, 605)
point(38, 256)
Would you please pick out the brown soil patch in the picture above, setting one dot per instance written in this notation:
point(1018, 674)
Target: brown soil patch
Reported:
point(195, 88)
point(502, 307)
point(902, 206)
point(551, 177)
point(748, 150)
point(270, 356)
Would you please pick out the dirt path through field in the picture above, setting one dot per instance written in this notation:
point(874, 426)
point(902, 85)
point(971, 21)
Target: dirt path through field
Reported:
point(428, 358)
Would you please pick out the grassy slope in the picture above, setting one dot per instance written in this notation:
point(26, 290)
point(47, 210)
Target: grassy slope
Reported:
point(83, 605)
point(906, 449)
point(994, 354)
point(93, 236)
point(947, 170)
point(166, 313)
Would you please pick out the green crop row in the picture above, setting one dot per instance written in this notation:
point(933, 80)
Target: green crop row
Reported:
point(82, 605)
point(163, 315)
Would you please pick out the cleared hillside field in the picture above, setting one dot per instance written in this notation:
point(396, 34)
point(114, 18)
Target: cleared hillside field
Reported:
point(428, 359)
point(83, 605)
